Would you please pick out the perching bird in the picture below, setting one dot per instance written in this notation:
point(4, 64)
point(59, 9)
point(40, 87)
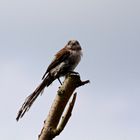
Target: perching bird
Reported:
point(63, 63)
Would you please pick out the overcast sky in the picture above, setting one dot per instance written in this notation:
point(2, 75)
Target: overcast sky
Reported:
point(32, 31)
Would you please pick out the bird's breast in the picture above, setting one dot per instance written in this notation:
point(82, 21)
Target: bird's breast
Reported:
point(74, 58)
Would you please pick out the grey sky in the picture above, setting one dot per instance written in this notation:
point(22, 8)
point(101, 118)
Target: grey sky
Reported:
point(32, 31)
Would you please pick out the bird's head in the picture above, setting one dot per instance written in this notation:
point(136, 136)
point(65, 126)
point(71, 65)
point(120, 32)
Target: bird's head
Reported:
point(74, 45)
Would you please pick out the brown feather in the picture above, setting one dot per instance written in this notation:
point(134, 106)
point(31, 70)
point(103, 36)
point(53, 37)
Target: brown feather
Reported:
point(59, 57)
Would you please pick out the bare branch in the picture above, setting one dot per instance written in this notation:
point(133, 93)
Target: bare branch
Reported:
point(51, 126)
point(66, 116)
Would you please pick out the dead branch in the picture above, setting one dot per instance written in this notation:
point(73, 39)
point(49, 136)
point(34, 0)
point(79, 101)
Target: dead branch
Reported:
point(54, 125)
point(66, 116)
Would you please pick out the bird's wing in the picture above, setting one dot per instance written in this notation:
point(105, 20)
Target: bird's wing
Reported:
point(59, 57)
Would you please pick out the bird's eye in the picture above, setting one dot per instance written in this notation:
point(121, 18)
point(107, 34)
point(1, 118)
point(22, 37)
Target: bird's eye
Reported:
point(77, 43)
point(69, 42)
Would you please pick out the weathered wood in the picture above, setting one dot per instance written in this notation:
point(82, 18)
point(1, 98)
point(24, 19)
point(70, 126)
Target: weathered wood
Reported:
point(51, 128)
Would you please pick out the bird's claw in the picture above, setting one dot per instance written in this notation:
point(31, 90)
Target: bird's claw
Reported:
point(73, 72)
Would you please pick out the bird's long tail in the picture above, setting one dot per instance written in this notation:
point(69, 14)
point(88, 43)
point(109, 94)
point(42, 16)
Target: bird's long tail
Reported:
point(31, 98)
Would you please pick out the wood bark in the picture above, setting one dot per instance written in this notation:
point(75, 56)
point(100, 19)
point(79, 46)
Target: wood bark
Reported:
point(54, 124)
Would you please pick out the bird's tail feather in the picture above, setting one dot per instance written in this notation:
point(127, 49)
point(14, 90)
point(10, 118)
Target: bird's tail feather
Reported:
point(31, 98)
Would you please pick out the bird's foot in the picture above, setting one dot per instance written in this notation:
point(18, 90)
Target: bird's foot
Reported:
point(73, 72)
point(59, 81)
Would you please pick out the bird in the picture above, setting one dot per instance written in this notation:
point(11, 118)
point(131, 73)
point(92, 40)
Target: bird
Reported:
point(64, 62)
